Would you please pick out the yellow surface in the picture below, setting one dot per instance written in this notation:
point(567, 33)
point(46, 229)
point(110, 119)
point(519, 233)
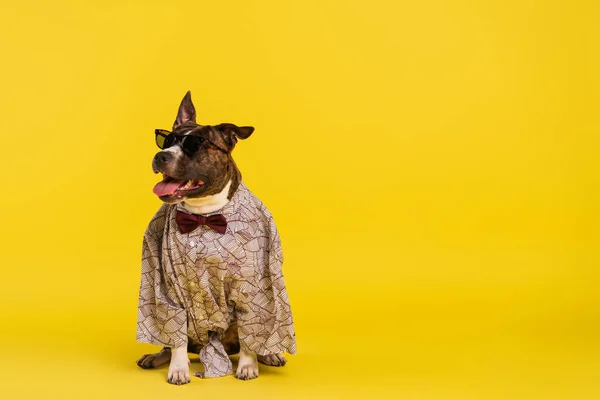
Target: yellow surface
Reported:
point(432, 167)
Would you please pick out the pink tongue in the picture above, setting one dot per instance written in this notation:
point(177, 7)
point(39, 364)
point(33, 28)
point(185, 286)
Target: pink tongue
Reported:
point(167, 186)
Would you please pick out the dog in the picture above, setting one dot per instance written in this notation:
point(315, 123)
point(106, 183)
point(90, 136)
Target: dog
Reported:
point(211, 280)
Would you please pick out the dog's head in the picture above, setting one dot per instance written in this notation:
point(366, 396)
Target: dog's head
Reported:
point(195, 159)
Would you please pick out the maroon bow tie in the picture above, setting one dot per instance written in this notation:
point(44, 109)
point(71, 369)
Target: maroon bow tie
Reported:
point(189, 222)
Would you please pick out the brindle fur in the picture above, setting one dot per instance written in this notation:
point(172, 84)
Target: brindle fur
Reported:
point(208, 163)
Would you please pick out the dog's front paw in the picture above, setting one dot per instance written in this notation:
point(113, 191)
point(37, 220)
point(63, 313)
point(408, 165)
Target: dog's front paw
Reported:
point(154, 360)
point(247, 372)
point(247, 366)
point(179, 369)
point(274, 360)
point(179, 373)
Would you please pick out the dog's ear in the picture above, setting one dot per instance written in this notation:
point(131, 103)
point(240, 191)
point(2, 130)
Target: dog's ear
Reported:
point(186, 112)
point(231, 133)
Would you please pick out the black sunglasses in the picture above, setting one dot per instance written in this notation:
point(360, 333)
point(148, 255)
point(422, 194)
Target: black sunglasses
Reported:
point(189, 143)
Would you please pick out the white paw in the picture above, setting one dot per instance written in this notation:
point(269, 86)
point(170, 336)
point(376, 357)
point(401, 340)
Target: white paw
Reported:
point(179, 369)
point(247, 366)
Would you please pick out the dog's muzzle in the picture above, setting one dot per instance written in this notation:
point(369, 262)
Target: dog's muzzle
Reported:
point(160, 160)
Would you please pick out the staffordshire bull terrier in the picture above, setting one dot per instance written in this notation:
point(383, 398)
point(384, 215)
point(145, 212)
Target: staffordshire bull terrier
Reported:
point(211, 280)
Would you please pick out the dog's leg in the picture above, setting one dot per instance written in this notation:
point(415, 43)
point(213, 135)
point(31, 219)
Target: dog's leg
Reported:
point(274, 360)
point(179, 369)
point(155, 360)
point(247, 366)
point(231, 341)
point(148, 361)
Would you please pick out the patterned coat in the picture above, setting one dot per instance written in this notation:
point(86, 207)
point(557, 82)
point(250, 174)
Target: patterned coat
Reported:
point(198, 284)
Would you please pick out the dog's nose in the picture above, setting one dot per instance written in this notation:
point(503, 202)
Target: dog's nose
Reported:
point(163, 157)
point(160, 160)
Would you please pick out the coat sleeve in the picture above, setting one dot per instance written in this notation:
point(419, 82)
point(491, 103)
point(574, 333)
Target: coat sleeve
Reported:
point(265, 323)
point(161, 320)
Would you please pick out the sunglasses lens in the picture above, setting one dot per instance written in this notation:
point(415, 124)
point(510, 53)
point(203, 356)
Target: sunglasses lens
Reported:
point(160, 141)
point(161, 138)
point(169, 141)
point(191, 144)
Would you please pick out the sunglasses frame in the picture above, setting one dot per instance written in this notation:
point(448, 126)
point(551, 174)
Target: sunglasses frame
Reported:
point(182, 139)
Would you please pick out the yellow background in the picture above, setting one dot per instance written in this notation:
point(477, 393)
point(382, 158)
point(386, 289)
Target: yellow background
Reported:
point(432, 167)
